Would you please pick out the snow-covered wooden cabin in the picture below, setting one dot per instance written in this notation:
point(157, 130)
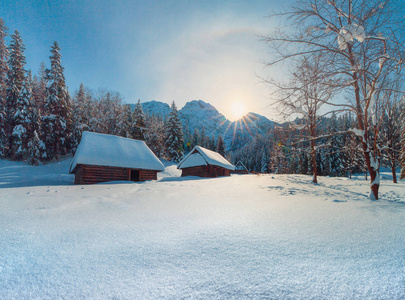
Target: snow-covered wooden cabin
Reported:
point(205, 163)
point(240, 168)
point(103, 157)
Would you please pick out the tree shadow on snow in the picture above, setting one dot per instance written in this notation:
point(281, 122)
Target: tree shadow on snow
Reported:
point(17, 174)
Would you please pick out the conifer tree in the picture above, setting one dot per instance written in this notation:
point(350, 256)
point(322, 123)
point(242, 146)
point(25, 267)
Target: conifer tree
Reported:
point(203, 141)
point(174, 136)
point(15, 82)
point(155, 134)
point(220, 146)
point(57, 118)
point(36, 150)
point(212, 144)
point(80, 116)
point(39, 88)
point(3, 77)
point(138, 130)
point(264, 162)
point(188, 139)
point(126, 121)
point(196, 138)
point(24, 120)
point(108, 113)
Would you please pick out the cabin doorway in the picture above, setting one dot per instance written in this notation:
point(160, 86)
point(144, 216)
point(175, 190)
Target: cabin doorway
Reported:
point(134, 175)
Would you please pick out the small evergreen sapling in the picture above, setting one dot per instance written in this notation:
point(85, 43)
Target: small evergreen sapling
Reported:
point(36, 150)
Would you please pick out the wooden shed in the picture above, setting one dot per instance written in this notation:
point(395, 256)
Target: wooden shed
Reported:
point(103, 157)
point(205, 163)
point(240, 168)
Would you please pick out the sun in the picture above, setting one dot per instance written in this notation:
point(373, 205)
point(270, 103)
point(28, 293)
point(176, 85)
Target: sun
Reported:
point(238, 110)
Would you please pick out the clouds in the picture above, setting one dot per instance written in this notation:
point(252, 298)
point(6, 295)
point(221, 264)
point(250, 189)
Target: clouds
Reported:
point(215, 61)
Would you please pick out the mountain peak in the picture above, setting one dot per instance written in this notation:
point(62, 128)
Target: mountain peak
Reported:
point(198, 114)
point(199, 104)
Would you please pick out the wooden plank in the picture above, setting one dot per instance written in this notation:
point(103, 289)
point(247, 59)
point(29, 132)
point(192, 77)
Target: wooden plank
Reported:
point(89, 174)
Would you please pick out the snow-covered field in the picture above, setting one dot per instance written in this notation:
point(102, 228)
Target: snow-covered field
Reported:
point(238, 237)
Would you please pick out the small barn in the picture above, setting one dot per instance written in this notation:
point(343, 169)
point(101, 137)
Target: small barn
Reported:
point(240, 168)
point(103, 157)
point(205, 163)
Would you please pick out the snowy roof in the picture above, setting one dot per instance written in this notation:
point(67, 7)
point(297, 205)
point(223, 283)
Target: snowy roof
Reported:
point(240, 166)
point(114, 151)
point(200, 156)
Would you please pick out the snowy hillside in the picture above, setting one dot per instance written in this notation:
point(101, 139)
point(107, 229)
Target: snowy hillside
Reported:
point(156, 108)
point(238, 237)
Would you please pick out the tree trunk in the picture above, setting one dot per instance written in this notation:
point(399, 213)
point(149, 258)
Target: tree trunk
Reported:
point(374, 176)
point(314, 168)
point(394, 175)
point(375, 184)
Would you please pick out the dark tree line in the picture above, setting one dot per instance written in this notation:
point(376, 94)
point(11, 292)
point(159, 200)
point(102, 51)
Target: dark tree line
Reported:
point(289, 148)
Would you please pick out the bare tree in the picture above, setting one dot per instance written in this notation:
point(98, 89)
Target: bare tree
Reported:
point(361, 45)
point(391, 127)
point(304, 96)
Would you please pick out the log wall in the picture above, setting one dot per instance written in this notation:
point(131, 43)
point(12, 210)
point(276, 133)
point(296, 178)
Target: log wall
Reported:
point(147, 175)
point(88, 174)
point(201, 171)
point(205, 171)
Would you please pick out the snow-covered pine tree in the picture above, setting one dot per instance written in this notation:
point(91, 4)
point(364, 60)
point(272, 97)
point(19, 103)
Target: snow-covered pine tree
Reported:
point(36, 150)
point(155, 134)
point(125, 122)
point(278, 162)
point(107, 116)
point(202, 141)
point(188, 139)
point(174, 136)
point(4, 54)
point(57, 116)
point(303, 165)
point(3, 82)
point(25, 120)
point(220, 145)
point(213, 143)
point(353, 158)
point(34, 116)
point(15, 81)
point(39, 88)
point(196, 137)
point(138, 130)
point(264, 162)
point(80, 116)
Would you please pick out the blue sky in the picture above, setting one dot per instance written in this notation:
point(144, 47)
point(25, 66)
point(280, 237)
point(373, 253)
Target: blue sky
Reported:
point(153, 50)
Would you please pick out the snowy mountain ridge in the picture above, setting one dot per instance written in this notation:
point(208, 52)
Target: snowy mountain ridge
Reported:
point(198, 114)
